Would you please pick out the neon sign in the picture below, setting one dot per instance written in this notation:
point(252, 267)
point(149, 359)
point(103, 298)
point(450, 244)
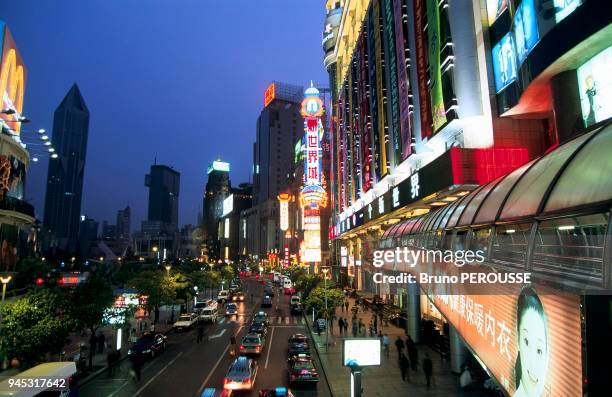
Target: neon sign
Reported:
point(12, 79)
point(269, 95)
point(284, 199)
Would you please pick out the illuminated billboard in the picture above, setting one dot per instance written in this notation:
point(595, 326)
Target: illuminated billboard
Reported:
point(361, 352)
point(495, 9)
point(525, 28)
point(269, 94)
point(12, 79)
point(565, 7)
point(284, 199)
point(330, 30)
point(595, 86)
point(504, 62)
point(219, 166)
point(228, 205)
point(226, 227)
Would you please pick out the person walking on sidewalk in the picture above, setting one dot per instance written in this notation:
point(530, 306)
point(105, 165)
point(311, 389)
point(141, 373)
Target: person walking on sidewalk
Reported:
point(136, 371)
point(346, 305)
point(341, 325)
point(399, 343)
point(413, 353)
point(93, 343)
point(404, 366)
point(385, 343)
point(101, 342)
point(200, 333)
point(355, 329)
point(427, 369)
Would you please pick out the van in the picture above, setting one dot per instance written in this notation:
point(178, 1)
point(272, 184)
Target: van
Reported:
point(288, 286)
point(223, 296)
point(210, 313)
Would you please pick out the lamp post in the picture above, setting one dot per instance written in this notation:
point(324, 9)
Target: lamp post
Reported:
point(325, 269)
point(156, 252)
point(5, 280)
point(168, 267)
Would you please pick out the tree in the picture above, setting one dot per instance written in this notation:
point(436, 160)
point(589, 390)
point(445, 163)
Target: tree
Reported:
point(306, 283)
point(89, 302)
point(316, 300)
point(159, 289)
point(36, 324)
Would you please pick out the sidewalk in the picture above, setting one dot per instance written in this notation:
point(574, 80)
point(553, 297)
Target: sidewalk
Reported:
point(386, 379)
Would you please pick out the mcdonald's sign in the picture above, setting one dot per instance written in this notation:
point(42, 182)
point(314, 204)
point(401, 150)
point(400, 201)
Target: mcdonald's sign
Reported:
point(12, 78)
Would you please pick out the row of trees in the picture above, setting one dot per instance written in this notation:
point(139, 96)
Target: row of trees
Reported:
point(314, 292)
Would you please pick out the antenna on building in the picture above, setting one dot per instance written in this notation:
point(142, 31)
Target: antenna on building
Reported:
point(155, 160)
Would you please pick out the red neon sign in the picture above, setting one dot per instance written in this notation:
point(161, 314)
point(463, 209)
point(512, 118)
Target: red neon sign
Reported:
point(269, 95)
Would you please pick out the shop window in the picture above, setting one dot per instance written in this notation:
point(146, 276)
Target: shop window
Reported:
point(510, 244)
point(446, 240)
point(572, 247)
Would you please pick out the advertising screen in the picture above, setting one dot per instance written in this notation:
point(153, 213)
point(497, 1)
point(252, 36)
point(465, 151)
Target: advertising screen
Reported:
point(504, 62)
point(525, 28)
point(438, 111)
point(495, 9)
point(228, 205)
point(565, 7)
point(595, 86)
point(361, 352)
point(330, 30)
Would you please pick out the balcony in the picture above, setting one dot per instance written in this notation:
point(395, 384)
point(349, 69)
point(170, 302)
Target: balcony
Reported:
point(17, 211)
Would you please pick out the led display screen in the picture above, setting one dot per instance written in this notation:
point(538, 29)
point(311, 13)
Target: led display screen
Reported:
point(361, 352)
point(565, 7)
point(495, 9)
point(228, 205)
point(504, 62)
point(595, 86)
point(12, 78)
point(525, 28)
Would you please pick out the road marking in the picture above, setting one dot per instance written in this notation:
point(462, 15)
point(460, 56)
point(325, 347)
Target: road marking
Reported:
point(278, 320)
point(214, 368)
point(269, 347)
point(220, 334)
point(157, 374)
point(222, 320)
point(287, 320)
point(119, 389)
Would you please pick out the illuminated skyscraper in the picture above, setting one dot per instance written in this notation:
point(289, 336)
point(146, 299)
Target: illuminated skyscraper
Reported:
point(66, 172)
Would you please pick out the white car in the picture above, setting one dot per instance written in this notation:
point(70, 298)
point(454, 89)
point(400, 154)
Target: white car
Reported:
point(223, 296)
point(295, 299)
point(210, 313)
point(186, 321)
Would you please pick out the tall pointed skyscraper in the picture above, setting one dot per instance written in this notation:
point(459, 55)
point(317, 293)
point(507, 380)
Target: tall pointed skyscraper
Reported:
point(65, 176)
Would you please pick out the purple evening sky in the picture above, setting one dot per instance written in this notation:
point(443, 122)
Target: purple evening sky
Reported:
point(182, 80)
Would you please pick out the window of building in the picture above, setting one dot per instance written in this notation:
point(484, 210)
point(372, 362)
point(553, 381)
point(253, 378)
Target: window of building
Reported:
point(460, 242)
point(510, 244)
point(480, 240)
point(572, 247)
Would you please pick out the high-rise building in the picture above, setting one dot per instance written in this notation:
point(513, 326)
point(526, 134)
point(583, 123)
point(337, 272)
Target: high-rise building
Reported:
point(163, 183)
point(66, 172)
point(239, 199)
point(124, 223)
point(109, 232)
point(88, 235)
point(159, 233)
point(217, 190)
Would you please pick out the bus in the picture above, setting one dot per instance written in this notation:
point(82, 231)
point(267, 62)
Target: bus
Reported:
point(53, 379)
point(287, 286)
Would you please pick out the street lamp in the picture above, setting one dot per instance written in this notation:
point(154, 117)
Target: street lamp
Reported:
point(325, 269)
point(168, 267)
point(5, 281)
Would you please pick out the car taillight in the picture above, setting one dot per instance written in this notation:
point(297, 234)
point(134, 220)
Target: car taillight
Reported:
point(241, 347)
point(226, 381)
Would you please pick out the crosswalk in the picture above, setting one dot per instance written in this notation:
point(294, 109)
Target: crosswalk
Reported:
point(281, 320)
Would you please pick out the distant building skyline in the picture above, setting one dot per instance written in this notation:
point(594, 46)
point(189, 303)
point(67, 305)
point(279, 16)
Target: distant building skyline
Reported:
point(66, 172)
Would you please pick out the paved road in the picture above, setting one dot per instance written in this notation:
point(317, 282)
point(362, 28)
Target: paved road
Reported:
point(186, 367)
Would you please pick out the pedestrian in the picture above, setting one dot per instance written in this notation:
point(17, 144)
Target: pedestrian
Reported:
point(375, 324)
point(200, 333)
point(93, 342)
point(101, 342)
point(137, 367)
point(404, 366)
point(354, 329)
point(380, 317)
point(153, 328)
point(427, 369)
point(346, 305)
point(385, 343)
point(319, 327)
point(341, 325)
point(413, 355)
point(361, 328)
point(399, 343)
point(345, 326)
point(110, 361)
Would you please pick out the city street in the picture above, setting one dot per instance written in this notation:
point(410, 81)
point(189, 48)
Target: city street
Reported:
point(186, 368)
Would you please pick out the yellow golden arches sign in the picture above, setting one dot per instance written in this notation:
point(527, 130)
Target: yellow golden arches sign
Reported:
point(12, 87)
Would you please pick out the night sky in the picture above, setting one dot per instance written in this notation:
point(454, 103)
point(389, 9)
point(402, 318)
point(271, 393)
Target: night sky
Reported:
point(182, 80)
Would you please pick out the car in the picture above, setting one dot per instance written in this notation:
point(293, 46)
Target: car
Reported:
point(148, 346)
point(298, 344)
point(261, 317)
point(295, 299)
point(302, 370)
point(210, 313)
point(252, 344)
point(186, 321)
point(241, 374)
point(238, 297)
point(258, 327)
point(231, 309)
point(202, 303)
point(276, 392)
point(266, 301)
point(234, 288)
point(296, 308)
point(223, 296)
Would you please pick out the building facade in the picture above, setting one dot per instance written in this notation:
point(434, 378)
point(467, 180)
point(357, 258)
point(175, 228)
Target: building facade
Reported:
point(15, 213)
point(217, 190)
point(434, 100)
point(239, 199)
point(124, 224)
point(66, 172)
